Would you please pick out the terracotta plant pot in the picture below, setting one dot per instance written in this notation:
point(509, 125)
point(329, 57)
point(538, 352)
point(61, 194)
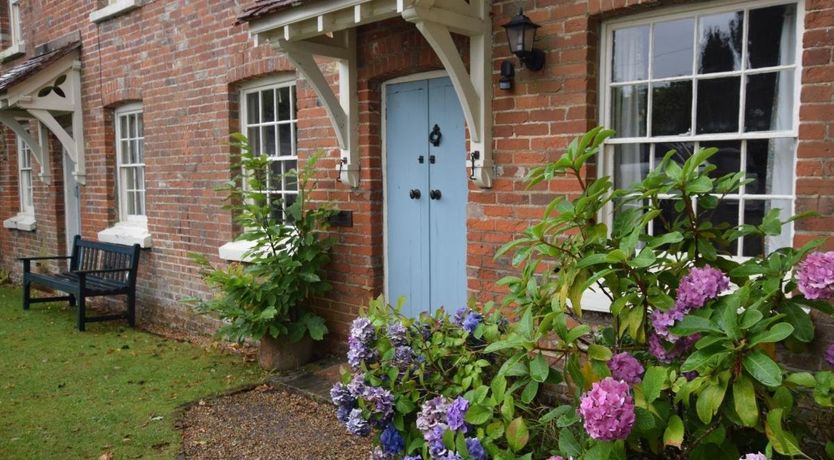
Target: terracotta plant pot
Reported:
point(282, 355)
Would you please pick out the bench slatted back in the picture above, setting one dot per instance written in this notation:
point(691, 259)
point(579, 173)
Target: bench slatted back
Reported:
point(94, 255)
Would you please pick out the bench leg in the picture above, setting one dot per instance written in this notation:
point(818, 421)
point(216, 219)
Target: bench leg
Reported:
point(27, 293)
point(131, 310)
point(81, 312)
point(72, 300)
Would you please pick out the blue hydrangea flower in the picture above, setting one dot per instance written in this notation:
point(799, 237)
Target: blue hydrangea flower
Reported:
point(413, 457)
point(456, 413)
point(476, 450)
point(356, 424)
point(391, 439)
point(343, 413)
point(460, 315)
point(358, 352)
point(398, 334)
point(379, 454)
point(340, 395)
point(403, 357)
point(362, 330)
point(381, 400)
point(434, 439)
point(472, 321)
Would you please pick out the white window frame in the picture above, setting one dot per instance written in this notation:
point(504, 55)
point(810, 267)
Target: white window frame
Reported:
point(112, 9)
point(597, 301)
point(25, 169)
point(235, 250)
point(131, 228)
point(16, 45)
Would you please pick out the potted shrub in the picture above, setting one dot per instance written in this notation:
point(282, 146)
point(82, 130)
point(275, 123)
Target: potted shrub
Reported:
point(264, 298)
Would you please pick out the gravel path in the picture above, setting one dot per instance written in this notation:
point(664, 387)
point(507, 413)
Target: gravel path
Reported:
point(267, 423)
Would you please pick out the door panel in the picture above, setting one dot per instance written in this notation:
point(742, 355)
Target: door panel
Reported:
point(426, 238)
point(447, 215)
point(72, 202)
point(407, 218)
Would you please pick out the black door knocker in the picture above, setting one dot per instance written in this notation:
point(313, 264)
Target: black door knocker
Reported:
point(434, 136)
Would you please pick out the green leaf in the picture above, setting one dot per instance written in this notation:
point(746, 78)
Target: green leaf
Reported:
point(709, 400)
point(693, 324)
point(653, 382)
point(599, 352)
point(568, 444)
point(750, 318)
point(600, 451)
point(529, 392)
point(666, 238)
point(555, 412)
point(499, 386)
point(777, 333)
point(803, 379)
point(673, 435)
point(744, 400)
point(803, 327)
point(762, 368)
point(517, 434)
point(495, 429)
point(539, 368)
point(783, 442)
point(478, 414)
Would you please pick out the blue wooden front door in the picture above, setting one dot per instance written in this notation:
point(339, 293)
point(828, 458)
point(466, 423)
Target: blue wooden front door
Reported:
point(426, 192)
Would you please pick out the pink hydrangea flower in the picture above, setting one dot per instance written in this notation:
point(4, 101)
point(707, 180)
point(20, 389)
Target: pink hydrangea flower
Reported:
point(756, 456)
point(815, 276)
point(556, 457)
point(666, 352)
point(607, 410)
point(699, 286)
point(829, 355)
point(625, 367)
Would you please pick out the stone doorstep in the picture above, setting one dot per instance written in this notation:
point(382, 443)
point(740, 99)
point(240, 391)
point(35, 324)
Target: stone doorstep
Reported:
point(313, 380)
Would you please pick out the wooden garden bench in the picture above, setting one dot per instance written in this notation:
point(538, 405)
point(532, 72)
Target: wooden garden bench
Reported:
point(95, 269)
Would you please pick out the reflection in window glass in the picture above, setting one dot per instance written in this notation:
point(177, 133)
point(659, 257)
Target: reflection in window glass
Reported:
point(719, 42)
point(718, 101)
point(769, 103)
point(771, 36)
point(672, 48)
point(671, 108)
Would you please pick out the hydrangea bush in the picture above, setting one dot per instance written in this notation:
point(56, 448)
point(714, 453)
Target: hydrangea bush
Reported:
point(688, 364)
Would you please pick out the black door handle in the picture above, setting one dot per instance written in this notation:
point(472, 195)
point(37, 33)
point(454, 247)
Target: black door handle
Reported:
point(414, 194)
point(434, 194)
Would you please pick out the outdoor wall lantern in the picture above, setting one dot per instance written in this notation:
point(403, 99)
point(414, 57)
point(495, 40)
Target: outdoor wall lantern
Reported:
point(521, 32)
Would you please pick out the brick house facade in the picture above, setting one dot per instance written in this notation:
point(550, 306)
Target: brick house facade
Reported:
point(187, 66)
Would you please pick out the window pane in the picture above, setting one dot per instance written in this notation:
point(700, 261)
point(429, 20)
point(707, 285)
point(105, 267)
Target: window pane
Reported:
point(140, 178)
point(672, 48)
point(631, 164)
point(773, 243)
point(269, 141)
point(134, 151)
point(718, 105)
point(277, 205)
point(290, 179)
point(725, 216)
point(770, 164)
point(629, 110)
point(128, 179)
point(131, 126)
point(771, 37)
point(125, 152)
point(683, 150)
point(662, 223)
point(268, 109)
point(289, 199)
point(140, 150)
point(131, 203)
point(123, 132)
point(275, 176)
point(754, 211)
point(140, 126)
point(253, 108)
point(285, 140)
point(671, 108)
point(284, 103)
point(631, 52)
point(769, 102)
point(728, 158)
point(140, 203)
point(719, 43)
point(254, 137)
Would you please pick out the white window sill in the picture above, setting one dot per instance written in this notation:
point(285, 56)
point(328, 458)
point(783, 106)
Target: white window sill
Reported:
point(24, 222)
point(235, 250)
point(109, 11)
point(13, 51)
point(127, 234)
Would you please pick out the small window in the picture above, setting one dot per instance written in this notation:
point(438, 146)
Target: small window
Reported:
point(269, 121)
point(26, 189)
point(722, 77)
point(130, 163)
point(14, 22)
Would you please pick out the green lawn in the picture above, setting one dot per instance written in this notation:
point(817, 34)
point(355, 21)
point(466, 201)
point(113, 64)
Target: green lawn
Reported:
point(77, 395)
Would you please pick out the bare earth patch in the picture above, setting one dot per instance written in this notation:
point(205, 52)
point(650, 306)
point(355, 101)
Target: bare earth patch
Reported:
point(267, 423)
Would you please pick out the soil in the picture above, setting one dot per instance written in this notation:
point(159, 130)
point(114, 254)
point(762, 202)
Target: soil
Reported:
point(267, 423)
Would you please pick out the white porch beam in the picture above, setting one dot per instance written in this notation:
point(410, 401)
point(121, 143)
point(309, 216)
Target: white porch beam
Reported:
point(40, 154)
point(73, 145)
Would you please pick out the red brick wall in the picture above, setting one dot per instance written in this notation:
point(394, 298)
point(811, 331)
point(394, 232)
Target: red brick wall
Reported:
point(185, 63)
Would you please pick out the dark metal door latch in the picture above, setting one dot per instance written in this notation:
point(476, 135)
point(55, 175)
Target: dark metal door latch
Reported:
point(435, 136)
point(434, 194)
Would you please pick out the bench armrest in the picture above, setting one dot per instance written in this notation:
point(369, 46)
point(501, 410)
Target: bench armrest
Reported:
point(45, 258)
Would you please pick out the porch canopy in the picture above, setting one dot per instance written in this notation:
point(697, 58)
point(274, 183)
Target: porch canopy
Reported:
point(308, 28)
point(43, 88)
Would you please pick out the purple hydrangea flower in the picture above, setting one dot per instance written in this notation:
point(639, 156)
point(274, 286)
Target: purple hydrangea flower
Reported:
point(607, 410)
point(362, 330)
point(625, 367)
point(756, 456)
point(663, 320)
point(434, 439)
point(666, 352)
point(476, 450)
point(456, 413)
point(391, 439)
point(432, 414)
point(397, 334)
point(815, 276)
point(356, 424)
point(556, 457)
point(460, 315)
point(356, 387)
point(472, 321)
point(343, 413)
point(829, 355)
point(381, 400)
point(413, 457)
point(699, 286)
point(450, 456)
point(403, 357)
point(340, 395)
point(690, 376)
point(359, 352)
